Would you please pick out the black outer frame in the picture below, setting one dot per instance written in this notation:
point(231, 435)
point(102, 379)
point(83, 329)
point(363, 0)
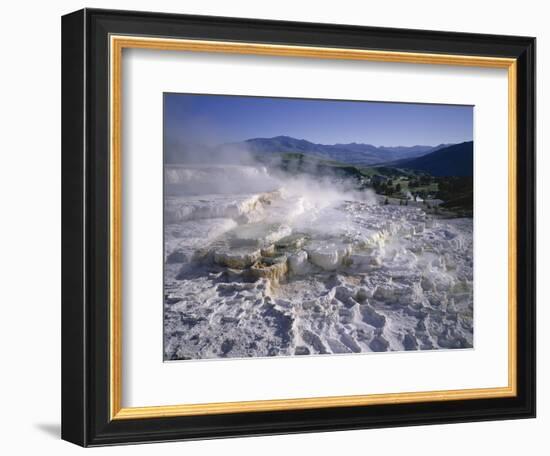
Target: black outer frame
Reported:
point(85, 227)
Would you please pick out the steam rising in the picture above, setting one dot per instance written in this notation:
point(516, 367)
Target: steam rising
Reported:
point(232, 169)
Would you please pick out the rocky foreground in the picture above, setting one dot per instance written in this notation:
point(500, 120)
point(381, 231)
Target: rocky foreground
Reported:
point(287, 272)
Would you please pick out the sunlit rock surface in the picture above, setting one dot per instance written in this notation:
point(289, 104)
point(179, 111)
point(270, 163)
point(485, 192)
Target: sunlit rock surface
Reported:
point(290, 270)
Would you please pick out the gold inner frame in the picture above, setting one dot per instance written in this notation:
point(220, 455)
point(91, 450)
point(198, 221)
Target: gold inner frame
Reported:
point(117, 44)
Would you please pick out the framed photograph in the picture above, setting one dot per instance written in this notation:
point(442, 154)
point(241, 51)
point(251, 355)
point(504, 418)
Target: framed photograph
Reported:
point(278, 227)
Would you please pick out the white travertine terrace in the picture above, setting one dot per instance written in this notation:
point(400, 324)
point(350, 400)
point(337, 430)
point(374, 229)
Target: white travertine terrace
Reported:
point(284, 272)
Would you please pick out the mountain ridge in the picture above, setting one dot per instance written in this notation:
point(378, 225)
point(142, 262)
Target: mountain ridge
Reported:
point(454, 160)
point(352, 153)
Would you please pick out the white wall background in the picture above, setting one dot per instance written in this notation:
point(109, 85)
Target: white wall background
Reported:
point(30, 193)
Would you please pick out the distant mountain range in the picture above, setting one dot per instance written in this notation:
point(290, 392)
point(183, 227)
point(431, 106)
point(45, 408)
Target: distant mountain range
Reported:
point(440, 160)
point(455, 160)
point(352, 153)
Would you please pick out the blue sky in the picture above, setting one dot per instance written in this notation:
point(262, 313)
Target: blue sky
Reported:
point(217, 119)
